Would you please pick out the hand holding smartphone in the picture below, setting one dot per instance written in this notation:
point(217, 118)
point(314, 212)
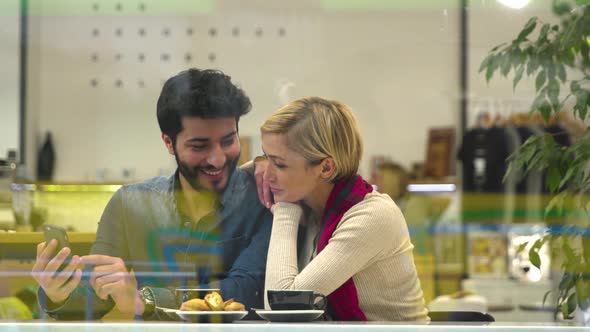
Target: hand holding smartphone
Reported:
point(57, 282)
point(59, 234)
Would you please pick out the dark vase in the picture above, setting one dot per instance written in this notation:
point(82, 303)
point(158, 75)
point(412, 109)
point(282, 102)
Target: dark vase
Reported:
point(46, 160)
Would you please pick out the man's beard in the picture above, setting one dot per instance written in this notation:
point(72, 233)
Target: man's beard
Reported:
point(191, 174)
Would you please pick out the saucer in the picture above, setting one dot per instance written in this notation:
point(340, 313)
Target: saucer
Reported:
point(211, 316)
point(289, 315)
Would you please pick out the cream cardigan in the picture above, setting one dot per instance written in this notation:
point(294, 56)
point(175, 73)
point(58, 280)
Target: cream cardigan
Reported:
point(371, 244)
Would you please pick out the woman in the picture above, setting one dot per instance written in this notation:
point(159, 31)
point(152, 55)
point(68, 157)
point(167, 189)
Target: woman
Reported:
point(356, 247)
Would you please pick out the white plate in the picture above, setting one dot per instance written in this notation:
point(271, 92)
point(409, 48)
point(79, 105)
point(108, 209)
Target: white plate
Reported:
point(171, 313)
point(289, 315)
point(211, 316)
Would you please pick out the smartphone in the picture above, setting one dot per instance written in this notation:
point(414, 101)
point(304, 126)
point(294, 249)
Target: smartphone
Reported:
point(59, 234)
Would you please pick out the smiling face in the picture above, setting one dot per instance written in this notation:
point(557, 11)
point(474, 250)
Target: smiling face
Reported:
point(291, 177)
point(206, 151)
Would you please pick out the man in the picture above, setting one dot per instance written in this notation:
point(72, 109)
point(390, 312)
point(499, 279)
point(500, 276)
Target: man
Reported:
point(202, 222)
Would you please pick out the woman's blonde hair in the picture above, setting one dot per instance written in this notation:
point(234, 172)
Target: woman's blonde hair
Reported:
point(318, 128)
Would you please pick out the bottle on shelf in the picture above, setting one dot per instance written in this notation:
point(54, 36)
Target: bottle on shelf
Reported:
point(46, 159)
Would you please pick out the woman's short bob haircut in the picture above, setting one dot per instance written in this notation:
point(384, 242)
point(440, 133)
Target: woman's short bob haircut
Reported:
point(318, 128)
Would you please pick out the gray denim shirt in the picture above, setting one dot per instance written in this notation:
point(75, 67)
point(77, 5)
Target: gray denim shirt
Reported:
point(142, 225)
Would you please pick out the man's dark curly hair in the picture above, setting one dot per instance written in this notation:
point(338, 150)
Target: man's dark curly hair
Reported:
point(206, 94)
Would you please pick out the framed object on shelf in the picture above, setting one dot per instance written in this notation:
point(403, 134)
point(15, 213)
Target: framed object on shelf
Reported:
point(439, 153)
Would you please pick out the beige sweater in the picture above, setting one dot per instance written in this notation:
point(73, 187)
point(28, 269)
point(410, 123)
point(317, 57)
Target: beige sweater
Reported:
point(371, 244)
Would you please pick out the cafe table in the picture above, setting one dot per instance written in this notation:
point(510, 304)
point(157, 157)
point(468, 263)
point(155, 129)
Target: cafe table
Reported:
point(251, 326)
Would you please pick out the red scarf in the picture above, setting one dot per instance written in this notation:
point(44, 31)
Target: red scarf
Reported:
point(343, 303)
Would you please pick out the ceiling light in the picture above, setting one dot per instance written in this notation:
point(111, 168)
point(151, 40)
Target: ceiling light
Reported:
point(516, 4)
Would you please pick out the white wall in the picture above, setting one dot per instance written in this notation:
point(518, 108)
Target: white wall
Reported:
point(9, 76)
point(396, 64)
point(396, 67)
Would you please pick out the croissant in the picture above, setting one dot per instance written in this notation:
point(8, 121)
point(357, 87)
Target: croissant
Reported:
point(231, 305)
point(195, 305)
point(214, 301)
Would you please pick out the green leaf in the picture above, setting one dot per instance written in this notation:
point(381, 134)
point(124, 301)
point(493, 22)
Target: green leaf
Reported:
point(532, 65)
point(561, 73)
point(497, 47)
point(534, 258)
point(486, 62)
point(570, 57)
point(575, 86)
point(540, 80)
point(553, 93)
point(583, 113)
point(572, 302)
point(570, 255)
point(489, 74)
point(545, 297)
point(581, 97)
point(583, 110)
point(506, 64)
point(571, 171)
point(553, 178)
point(518, 57)
point(543, 33)
point(538, 244)
point(581, 103)
point(584, 50)
point(561, 8)
point(492, 66)
point(567, 281)
point(528, 28)
point(564, 310)
point(508, 171)
point(556, 203)
point(550, 69)
point(528, 150)
point(521, 247)
point(539, 100)
point(545, 110)
point(586, 252)
point(517, 76)
point(535, 161)
point(583, 293)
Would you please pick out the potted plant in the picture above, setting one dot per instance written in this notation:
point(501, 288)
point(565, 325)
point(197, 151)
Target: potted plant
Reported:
point(557, 58)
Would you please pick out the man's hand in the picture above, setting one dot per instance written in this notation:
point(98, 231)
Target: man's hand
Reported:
point(110, 278)
point(263, 187)
point(57, 285)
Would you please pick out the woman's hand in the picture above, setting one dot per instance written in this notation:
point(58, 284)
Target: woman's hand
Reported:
point(263, 187)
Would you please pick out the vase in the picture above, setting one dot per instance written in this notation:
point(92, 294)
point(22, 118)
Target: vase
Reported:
point(46, 160)
point(582, 317)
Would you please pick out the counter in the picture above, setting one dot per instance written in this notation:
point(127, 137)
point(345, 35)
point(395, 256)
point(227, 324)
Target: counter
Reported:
point(23, 245)
point(36, 237)
point(76, 205)
point(44, 326)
